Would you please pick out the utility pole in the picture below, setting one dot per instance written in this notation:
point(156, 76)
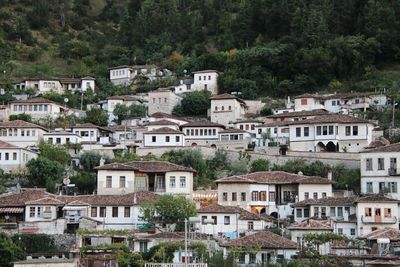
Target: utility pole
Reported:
point(393, 111)
point(186, 238)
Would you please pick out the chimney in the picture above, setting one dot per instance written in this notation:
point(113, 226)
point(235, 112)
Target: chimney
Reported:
point(102, 161)
point(329, 176)
point(134, 199)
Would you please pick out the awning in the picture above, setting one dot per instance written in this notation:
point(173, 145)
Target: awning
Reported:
point(11, 210)
point(74, 208)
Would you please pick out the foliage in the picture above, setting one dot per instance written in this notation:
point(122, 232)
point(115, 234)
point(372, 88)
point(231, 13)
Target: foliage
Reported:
point(85, 181)
point(9, 251)
point(259, 165)
point(124, 156)
point(97, 116)
point(89, 160)
point(164, 252)
point(266, 111)
point(194, 104)
point(169, 209)
point(44, 173)
point(35, 243)
point(23, 117)
point(238, 167)
point(55, 153)
point(84, 232)
point(123, 112)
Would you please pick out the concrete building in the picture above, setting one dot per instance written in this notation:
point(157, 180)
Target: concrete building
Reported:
point(202, 133)
point(21, 133)
point(57, 85)
point(38, 108)
point(163, 137)
point(226, 109)
point(61, 138)
point(162, 100)
point(14, 158)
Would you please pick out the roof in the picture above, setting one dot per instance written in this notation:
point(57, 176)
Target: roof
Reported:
point(202, 123)
point(20, 124)
point(160, 115)
point(146, 166)
point(46, 201)
point(328, 201)
point(389, 148)
point(88, 78)
point(204, 71)
point(227, 96)
point(7, 145)
point(303, 113)
point(33, 262)
point(375, 198)
point(60, 133)
point(392, 234)
point(264, 239)
point(232, 130)
point(163, 130)
point(19, 199)
point(161, 122)
point(331, 118)
point(244, 214)
point(124, 98)
point(119, 67)
point(274, 177)
point(275, 124)
point(90, 125)
point(248, 121)
point(70, 80)
point(336, 96)
point(312, 224)
point(35, 100)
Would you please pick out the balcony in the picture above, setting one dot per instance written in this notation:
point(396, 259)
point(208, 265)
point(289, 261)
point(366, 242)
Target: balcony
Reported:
point(393, 172)
point(378, 220)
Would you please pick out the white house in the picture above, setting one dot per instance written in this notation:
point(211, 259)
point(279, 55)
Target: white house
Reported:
point(127, 100)
point(273, 133)
point(121, 75)
point(269, 248)
point(248, 125)
point(125, 75)
point(164, 116)
point(162, 100)
point(380, 170)
point(233, 138)
point(202, 132)
point(330, 133)
point(21, 133)
point(58, 85)
point(90, 133)
point(271, 192)
point(295, 115)
point(229, 222)
point(309, 226)
point(206, 80)
point(152, 125)
point(14, 158)
point(154, 176)
point(226, 109)
point(61, 138)
point(163, 137)
point(37, 107)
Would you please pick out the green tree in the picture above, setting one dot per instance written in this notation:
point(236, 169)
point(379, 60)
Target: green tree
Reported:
point(9, 251)
point(22, 117)
point(89, 160)
point(169, 209)
point(195, 104)
point(44, 173)
point(123, 112)
point(238, 167)
point(85, 181)
point(55, 153)
point(97, 116)
point(266, 111)
point(260, 165)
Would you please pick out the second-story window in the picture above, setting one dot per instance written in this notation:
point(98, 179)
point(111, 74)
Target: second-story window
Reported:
point(368, 212)
point(167, 139)
point(298, 131)
point(306, 195)
point(182, 181)
point(355, 130)
point(369, 187)
point(315, 195)
point(122, 181)
point(263, 196)
point(224, 196)
point(318, 130)
point(348, 130)
point(153, 139)
point(381, 164)
point(254, 196)
point(172, 183)
point(368, 164)
point(306, 131)
point(243, 196)
point(234, 196)
point(108, 181)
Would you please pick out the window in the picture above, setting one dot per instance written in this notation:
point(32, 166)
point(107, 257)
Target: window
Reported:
point(333, 102)
point(355, 130)
point(39, 211)
point(22, 133)
point(227, 220)
point(108, 181)
point(224, 196)
point(203, 218)
point(332, 212)
point(250, 225)
point(271, 196)
point(388, 212)
point(93, 212)
point(368, 164)
point(381, 187)
point(340, 231)
point(214, 218)
point(7, 156)
point(323, 211)
point(318, 130)
point(306, 131)
point(102, 212)
point(381, 164)
point(234, 196)
point(348, 130)
point(298, 131)
point(352, 231)
point(252, 258)
point(392, 186)
point(154, 139)
point(340, 211)
point(182, 181)
point(115, 212)
point(127, 212)
point(368, 212)
point(304, 101)
point(143, 246)
point(315, 195)
point(254, 196)
point(323, 195)
point(14, 155)
point(306, 213)
point(306, 195)
point(32, 211)
point(122, 181)
point(316, 211)
point(262, 196)
point(172, 182)
point(330, 130)
point(299, 213)
point(167, 139)
point(369, 187)
point(177, 139)
point(243, 196)
point(324, 130)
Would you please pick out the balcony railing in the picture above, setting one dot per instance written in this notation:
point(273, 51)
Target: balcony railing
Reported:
point(378, 220)
point(393, 172)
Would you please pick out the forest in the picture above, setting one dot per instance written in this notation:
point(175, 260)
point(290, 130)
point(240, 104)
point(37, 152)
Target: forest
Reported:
point(261, 47)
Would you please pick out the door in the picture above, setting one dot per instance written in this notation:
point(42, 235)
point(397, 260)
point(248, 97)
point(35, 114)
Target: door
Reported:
point(378, 217)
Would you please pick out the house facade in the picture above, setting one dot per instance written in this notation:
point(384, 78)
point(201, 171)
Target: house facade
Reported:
point(21, 133)
point(202, 132)
point(61, 138)
point(162, 100)
point(226, 109)
point(37, 107)
point(206, 80)
point(14, 158)
point(57, 85)
point(91, 134)
point(154, 176)
point(163, 137)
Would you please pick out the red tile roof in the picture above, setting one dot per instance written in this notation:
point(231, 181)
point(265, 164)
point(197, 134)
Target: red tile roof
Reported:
point(20, 124)
point(244, 214)
point(233, 130)
point(389, 148)
point(163, 130)
point(331, 118)
point(329, 201)
point(146, 166)
point(19, 199)
point(304, 113)
point(160, 115)
point(202, 123)
point(263, 240)
point(161, 122)
point(7, 145)
point(311, 224)
point(35, 100)
point(46, 201)
point(227, 96)
point(392, 234)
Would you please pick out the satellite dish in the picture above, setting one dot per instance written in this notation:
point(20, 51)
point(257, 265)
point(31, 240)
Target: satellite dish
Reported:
point(66, 181)
point(66, 100)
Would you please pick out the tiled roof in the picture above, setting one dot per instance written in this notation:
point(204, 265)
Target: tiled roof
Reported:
point(329, 201)
point(20, 124)
point(248, 121)
point(160, 115)
point(379, 143)
point(7, 145)
point(375, 198)
point(202, 123)
point(60, 133)
point(274, 177)
point(90, 125)
point(389, 148)
point(146, 166)
point(244, 214)
point(392, 234)
point(227, 96)
point(124, 98)
point(204, 71)
point(46, 201)
point(274, 124)
point(232, 130)
point(163, 130)
point(136, 198)
point(35, 100)
point(311, 224)
point(264, 239)
point(336, 96)
point(69, 80)
point(161, 122)
point(331, 118)
point(303, 113)
point(19, 199)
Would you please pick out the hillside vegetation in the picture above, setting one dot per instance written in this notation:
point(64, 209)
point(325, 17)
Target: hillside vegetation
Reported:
point(263, 47)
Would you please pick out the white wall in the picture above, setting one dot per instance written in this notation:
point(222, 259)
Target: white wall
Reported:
point(87, 134)
point(366, 228)
point(206, 81)
point(115, 187)
point(17, 158)
point(72, 139)
point(221, 113)
point(161, 140)
point(21, 137)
